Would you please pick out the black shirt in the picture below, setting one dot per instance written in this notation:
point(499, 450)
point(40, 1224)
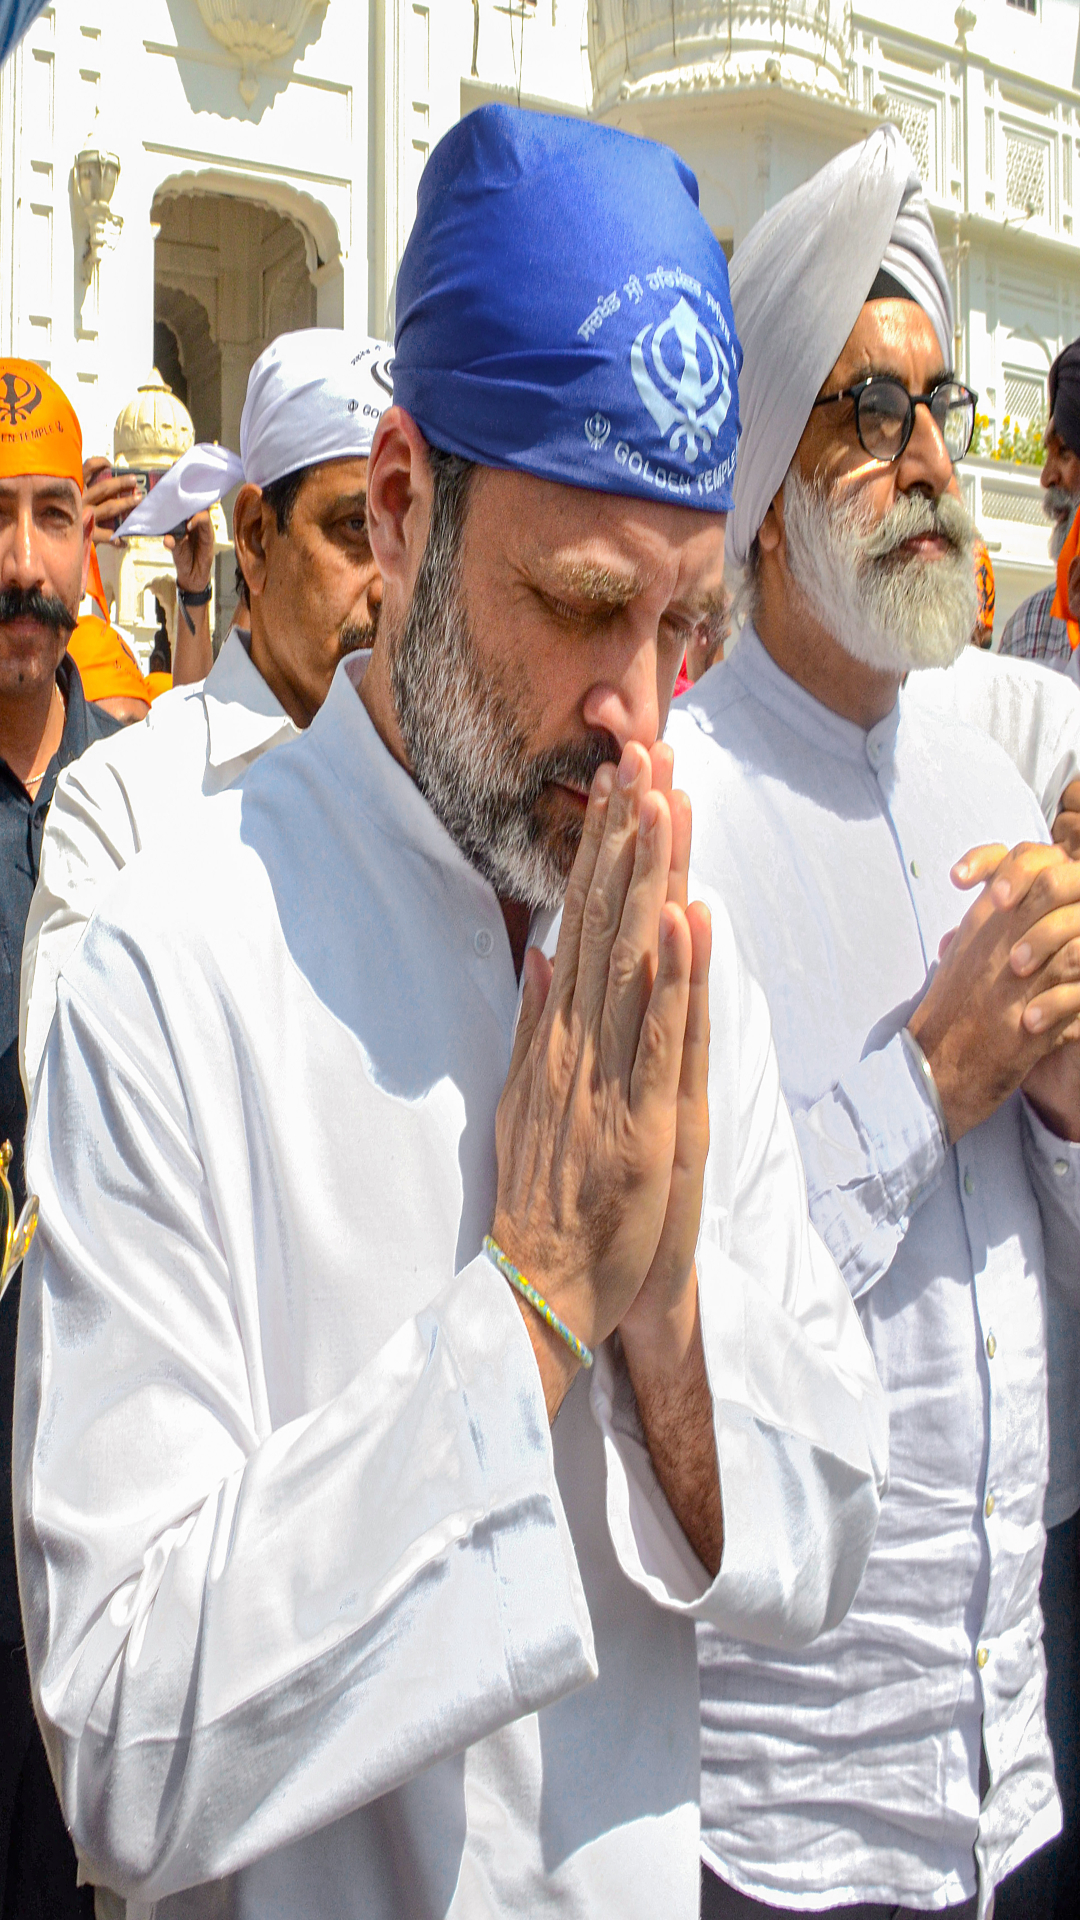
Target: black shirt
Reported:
point(22, 822)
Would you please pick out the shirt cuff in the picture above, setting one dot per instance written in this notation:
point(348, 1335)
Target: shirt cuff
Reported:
point(541, 1598)
point(794, 1459)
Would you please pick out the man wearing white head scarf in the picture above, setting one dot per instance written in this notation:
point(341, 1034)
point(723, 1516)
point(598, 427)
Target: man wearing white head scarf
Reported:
point(900, 1763)
point(310, 591)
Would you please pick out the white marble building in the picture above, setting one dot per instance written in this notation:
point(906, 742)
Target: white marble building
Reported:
point(181, 179)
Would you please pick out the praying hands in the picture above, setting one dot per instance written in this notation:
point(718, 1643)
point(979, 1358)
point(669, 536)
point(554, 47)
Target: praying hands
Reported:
point(603, 1127)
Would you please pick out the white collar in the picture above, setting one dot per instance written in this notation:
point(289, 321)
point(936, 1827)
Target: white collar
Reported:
point(242, 714)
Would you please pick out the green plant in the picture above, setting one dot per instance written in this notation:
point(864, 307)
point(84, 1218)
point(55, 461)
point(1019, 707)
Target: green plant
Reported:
point(1020, 442)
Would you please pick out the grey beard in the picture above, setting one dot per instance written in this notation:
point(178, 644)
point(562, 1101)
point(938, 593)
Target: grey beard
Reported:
point(1060, 507)
point(890, 611)
point(467, 741)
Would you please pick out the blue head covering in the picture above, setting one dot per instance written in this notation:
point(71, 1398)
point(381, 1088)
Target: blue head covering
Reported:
point(563, 309)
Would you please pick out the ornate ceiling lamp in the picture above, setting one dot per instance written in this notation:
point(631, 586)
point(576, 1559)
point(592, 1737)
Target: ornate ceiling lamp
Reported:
point(255, 32)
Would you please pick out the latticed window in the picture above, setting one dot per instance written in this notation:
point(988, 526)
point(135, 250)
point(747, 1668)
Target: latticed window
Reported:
point(1025, 174)
point(1022, 6)
point(1025, 396)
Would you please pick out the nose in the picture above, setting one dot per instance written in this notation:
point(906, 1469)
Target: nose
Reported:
point(925, 463)
point(627, 705)
point(20, 562)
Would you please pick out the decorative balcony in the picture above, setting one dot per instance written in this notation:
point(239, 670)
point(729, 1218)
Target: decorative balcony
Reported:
point(644, 48)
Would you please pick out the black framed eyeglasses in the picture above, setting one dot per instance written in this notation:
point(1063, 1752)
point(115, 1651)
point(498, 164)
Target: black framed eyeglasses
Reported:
point(885, 414)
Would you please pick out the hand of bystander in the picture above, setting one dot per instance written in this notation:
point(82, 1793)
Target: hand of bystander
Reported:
point(1003, 1008)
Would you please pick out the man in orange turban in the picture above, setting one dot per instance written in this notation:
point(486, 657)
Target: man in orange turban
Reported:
point(45, 723)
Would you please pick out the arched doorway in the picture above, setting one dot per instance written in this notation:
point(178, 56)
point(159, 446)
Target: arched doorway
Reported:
point(230, 274)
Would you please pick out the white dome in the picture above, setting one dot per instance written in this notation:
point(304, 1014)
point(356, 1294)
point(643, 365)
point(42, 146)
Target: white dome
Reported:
point(154, 429)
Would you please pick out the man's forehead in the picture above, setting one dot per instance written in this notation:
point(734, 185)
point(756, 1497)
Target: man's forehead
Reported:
point(331, 478)
point(53, 485)
point(889, 336)
point(604, 547)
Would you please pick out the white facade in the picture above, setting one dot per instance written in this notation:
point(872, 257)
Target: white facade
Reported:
point(269, 152)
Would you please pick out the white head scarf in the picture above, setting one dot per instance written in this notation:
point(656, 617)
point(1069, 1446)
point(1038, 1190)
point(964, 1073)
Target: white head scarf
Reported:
point(798, 283)
point(312, 395)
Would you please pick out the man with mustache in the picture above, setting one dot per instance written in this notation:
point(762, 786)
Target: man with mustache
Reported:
point(45, 724)
point(901, 1763)
point(1034, 632)
point(310, 593)
point(329, 1612)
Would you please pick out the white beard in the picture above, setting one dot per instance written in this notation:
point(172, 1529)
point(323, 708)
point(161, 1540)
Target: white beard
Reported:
point(890, 611)
point(1061, 507)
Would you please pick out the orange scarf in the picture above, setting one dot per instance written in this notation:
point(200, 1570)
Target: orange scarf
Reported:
point(1060, 608)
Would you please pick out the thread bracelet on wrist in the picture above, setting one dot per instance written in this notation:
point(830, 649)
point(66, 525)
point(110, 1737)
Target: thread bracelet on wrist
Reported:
point(536, 1301)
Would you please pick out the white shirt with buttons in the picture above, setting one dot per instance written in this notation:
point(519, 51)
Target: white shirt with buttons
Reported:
point(111, 803)
point(850, 1769)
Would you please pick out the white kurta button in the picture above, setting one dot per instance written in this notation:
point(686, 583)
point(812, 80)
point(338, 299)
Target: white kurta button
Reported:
point(991, 1503)
point(483, 942)
point(982, 1655)
point(1061, 1166)
point(969, 1183)
point(991, 1345)
point(914, 869)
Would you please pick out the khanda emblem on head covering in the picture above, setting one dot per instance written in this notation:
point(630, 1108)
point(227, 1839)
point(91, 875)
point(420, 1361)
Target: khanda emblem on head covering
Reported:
point(700, 391)
point(18, 398)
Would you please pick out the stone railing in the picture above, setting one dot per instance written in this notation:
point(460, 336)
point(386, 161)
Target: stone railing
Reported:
point(1006, 503)
point(639, 48)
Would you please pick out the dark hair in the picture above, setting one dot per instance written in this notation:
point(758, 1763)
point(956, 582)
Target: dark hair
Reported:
point(282, 496)
point(451, 478)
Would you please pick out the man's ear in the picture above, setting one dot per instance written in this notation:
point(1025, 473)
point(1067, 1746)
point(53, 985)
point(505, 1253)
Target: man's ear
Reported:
point(771, 530)
point(399, 490)
point(250, 517)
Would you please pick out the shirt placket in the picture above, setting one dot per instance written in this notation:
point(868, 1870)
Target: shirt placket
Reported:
point(973, 1167)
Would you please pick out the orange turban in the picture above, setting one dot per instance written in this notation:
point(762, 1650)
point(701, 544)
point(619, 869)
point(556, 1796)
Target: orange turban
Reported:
point(39, 431)
point(1060, 608)
point(106, 668)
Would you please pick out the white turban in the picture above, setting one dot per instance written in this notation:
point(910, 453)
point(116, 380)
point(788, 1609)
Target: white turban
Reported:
point(798, 283)
point(312, 395)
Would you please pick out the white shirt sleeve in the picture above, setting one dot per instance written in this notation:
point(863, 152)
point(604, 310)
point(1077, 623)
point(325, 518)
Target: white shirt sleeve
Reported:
point(90, 834)
point(800, 1418)
point(873, 1151)
point(241, 1626)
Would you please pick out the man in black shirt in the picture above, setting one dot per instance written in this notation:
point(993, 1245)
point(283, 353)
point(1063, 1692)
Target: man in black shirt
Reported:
point(45, 723)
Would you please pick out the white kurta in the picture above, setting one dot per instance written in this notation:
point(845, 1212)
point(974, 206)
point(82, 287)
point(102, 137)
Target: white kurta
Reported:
point(852, 1768)
point(1032, 713)
point(316, 1604)
point(109, 805)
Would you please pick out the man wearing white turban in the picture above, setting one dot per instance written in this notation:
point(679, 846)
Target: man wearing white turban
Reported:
point(311, 592)
point(901, 1763)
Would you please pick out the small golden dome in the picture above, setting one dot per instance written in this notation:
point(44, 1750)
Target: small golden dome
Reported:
point(154, 429)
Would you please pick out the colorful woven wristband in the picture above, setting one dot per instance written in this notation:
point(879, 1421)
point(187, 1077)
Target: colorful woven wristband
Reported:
point(536, 1300)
